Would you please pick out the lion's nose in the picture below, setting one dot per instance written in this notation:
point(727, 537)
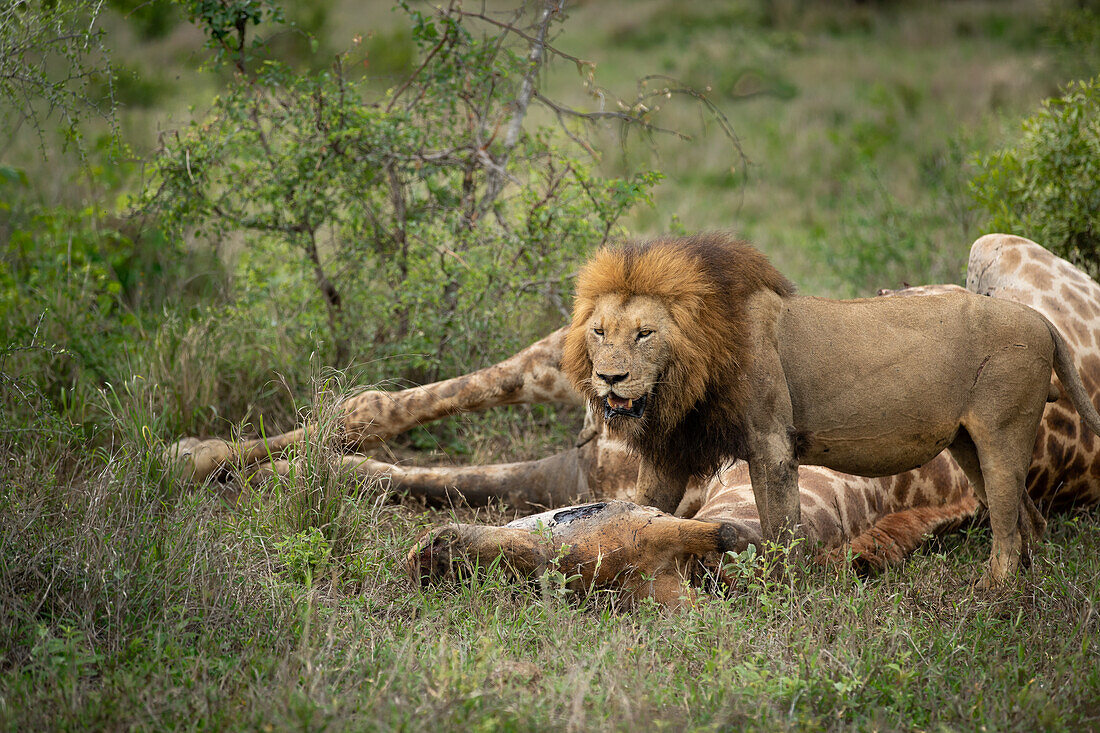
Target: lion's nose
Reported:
point(612, 379)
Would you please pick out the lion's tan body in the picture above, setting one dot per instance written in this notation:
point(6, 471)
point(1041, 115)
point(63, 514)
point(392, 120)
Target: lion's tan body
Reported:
point(883, 385)
point(869, 387)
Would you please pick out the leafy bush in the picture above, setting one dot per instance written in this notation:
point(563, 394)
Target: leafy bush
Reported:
point(88, 299)
point(425, 222)
point(61, 282)
point(1047, 186)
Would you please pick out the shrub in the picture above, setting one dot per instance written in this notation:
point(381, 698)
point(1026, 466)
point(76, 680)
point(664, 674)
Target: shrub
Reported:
point(83, 296)
point(426, 222)
point(1047, 186)
point(49, 52)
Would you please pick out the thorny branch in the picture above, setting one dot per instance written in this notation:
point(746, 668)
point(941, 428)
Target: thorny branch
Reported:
point(636, 113)
point(443, 41)
point(562, 111)
point(49, 53)
point(511, 28)
point(15, 383)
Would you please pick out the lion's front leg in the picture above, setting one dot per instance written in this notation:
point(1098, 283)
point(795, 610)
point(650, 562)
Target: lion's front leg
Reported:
point(657, 490)
point(773, 470)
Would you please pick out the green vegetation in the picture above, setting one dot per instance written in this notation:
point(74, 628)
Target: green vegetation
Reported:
point(1050, 184)
point(141, 605)
point(48, 65)
point(392, 210)
point(287, 190)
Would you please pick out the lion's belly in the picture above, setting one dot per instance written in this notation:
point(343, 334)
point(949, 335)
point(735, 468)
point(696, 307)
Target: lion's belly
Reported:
point(883, 455)
point(880, 433)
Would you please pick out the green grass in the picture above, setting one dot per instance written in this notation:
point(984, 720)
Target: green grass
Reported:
point(132, 602)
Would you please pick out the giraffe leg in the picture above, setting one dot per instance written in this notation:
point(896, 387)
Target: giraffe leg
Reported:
point(366, 419)
point(897, 535)
point(549, 482)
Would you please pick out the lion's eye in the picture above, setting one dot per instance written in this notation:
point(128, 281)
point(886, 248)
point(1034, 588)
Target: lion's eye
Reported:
point(643, 333)
point(598, 331)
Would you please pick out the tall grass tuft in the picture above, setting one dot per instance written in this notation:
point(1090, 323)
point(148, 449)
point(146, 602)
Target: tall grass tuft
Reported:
point(101, 554)
point(315, 501)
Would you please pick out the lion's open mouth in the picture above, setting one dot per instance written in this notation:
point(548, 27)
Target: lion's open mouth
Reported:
point(614, 405)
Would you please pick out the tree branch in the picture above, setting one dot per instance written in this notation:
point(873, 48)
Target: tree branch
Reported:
point(535, 58)
point(427, 60)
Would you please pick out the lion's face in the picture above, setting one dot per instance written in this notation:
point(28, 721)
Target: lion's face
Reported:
point(629, 341)
point(659, 338)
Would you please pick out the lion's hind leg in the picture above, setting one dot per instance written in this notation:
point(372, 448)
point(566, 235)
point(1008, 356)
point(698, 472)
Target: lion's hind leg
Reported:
point(996, 465)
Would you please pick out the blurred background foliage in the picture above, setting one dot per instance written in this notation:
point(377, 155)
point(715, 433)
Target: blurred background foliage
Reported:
point(1048, 183)
point(224, 196)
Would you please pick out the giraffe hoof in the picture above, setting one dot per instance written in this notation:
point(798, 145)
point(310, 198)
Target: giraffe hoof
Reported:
point(196, 460)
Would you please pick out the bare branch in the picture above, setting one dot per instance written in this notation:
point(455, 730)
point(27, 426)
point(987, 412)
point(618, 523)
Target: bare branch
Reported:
point(579, 62)
point(527, 88)
point(535, 58)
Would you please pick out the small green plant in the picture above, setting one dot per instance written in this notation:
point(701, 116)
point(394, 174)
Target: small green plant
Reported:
point(1047, 186)
point(554, 583)
point(771, 574)
point(744, 566)
point(63, 656)
point(304, 555)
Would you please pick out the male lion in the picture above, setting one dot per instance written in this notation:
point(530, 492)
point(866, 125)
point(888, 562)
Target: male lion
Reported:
point(696, 350)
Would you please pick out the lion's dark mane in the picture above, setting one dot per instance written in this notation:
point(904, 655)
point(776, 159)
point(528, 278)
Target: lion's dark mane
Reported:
point(694, 423)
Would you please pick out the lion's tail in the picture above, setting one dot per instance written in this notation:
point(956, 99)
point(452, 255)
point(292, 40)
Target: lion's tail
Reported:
point(1071, 380)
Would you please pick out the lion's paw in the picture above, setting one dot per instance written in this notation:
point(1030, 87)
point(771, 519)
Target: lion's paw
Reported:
point(994, 577)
